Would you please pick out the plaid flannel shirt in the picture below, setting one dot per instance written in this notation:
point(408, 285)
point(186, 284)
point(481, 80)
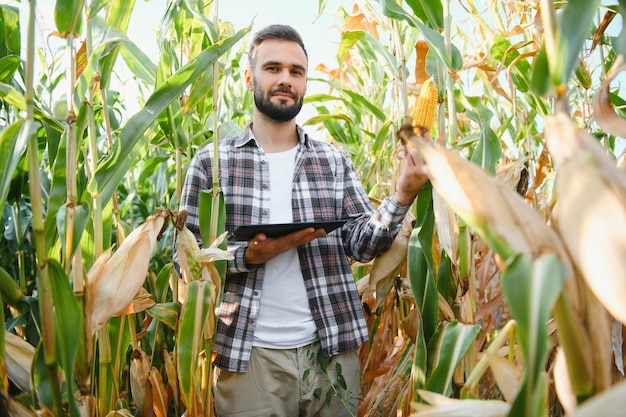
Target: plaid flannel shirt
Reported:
point(325, 187)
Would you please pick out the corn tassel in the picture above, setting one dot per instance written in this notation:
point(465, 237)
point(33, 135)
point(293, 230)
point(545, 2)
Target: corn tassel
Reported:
point(426, 106)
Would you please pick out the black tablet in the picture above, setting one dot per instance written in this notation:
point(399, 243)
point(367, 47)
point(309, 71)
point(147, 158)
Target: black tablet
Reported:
point(247, 232)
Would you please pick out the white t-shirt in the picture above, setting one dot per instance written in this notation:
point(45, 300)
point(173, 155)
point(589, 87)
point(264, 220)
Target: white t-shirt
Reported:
point(285, 319)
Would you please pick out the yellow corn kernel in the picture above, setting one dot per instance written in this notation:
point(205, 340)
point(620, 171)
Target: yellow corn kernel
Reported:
point(426, 106)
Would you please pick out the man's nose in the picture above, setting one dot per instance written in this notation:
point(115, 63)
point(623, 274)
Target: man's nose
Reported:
point(285, 78)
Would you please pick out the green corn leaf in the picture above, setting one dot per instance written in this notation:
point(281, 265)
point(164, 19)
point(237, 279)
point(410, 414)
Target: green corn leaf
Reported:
point(454, 340)
point(212, 218)
point(421, 266)
point(10, 291)
point(419, 368)
point(110, 173)
point(571, 31)
point(574, 23)
point(10, 43)
point(8, 65)
point(166, 313)
point(433, 38)
point(13, 142)
point(364, 105)
point(3, 387)
point(190, 339)
point(531, 288)
point(118, 17)
point(348, 40)
point(17, 99)
point(430, 11)
point(68, 16)
point(68, 320)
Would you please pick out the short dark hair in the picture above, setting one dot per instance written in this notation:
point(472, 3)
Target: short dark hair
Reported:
point(284, 32)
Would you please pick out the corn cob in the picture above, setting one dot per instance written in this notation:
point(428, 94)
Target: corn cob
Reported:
point(425, 106)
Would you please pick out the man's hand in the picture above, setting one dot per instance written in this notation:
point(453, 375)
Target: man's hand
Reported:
point(413, 176)
point(262, 248)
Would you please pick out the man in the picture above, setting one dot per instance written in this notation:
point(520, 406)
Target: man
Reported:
point(291, 319)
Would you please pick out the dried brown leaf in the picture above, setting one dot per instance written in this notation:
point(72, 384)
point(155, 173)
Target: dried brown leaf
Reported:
point(19, 356)
point(591, 211)
point(603, 111)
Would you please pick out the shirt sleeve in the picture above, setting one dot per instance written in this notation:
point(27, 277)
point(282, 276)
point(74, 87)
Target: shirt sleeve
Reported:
point(370, 232)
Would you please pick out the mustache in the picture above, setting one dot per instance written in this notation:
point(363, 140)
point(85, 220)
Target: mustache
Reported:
point(284, 90)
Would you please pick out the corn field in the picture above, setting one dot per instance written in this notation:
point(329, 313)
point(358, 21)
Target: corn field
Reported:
point(504, 294)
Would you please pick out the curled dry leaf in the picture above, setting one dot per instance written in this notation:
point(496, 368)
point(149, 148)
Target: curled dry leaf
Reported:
point(494, 210)
point(139, 374)
point(441, 406)
point(506, 373)
point(116, 278)
point(591, 211)
point(19, 357)
point(603, 112)
point(610, 403)
point(562, 382)
point(385, 267)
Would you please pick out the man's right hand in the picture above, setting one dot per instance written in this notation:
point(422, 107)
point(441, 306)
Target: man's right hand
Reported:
point(262, 248)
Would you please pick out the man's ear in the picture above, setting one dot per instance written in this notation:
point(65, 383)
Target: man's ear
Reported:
point(247, 73)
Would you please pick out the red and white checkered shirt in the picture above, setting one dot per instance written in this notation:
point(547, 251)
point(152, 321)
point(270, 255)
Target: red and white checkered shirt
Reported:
point(325, 187)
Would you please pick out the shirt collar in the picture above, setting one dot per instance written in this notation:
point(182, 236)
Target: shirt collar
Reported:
point(247, 136)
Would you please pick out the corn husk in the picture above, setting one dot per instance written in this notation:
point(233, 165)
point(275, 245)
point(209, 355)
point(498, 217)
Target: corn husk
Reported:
point(17, 409)
point(19, 357)
point(507, 374)
point(495, 211)
point(115, 278)
point(198, 264)
point(591, 211)
point(385, 267)
point(441, 406)
point(610, 403)
point(603, 111)
point(139, 376)
point(159, 393)
point(562, 382)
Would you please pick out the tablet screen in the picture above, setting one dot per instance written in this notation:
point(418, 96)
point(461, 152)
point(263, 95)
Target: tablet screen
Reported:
point(247, 232)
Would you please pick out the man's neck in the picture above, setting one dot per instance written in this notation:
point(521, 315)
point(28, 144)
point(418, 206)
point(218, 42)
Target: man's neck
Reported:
point(274, 136)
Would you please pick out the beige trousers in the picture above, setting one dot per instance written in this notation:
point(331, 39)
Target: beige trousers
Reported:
point(297, 382)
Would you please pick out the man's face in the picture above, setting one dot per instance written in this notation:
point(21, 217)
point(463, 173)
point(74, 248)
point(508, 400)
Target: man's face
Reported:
point(278, 79)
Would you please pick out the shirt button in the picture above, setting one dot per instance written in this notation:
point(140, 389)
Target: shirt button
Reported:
point(263, 162)
point(256, 293)
point(265, 212)
point(265, 186)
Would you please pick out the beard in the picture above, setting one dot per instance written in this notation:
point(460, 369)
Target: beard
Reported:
point(277, 112)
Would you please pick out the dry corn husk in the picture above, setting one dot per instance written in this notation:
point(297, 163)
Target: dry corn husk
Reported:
point(19, 357)
point(385, 267)
point(591, 211)
point(198, 264)
point(495, 211)
point(139, 376)
point(610, 403)
point(441, 406)
point(17, 409)
point(562, 382)
point(115, 279)
point(603, 111)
